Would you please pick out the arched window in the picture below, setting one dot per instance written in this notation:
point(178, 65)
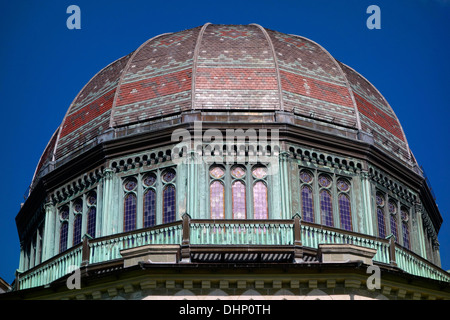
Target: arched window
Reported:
point(238, 193)
point(217, 200)
point(149, 208)
point(326, 208)
point(92, 214)
point(393, 219)
point(405, 228)
point(307, 204)
point(77, 223)
point(130, 205)
point(129, 219)
point(306, 195)
point(345, 212)
point(64, 229)
point(149, 217)
point(344, 204)
point(260, 206)
point(380, 215)
point(169, 204)
point(326, 201)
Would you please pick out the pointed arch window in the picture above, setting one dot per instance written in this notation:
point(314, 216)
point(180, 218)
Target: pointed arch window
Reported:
point(92, 214)
point(77, 222)
point(238, 193)
point(306, 195)
point(149, 217)
point(326, 208)
point(260, 194)
point(64, 228)
point(393, 219)
point(405, 228)
point(380, 215)
point(130, 205)
point(344, 204)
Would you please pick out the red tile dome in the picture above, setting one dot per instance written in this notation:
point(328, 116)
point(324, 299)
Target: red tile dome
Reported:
point(226, 68)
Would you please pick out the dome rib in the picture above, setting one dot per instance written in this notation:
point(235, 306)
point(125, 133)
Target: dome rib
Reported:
point(194, 62)
point(275, 59)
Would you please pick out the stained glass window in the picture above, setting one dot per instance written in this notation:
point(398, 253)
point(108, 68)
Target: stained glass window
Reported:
point(149, 180)
point(307, 204)
point(393, 222)
point(77, 229)
point(238, 194)
point(168, 176)
point(260, 201)
point(64, 212)
point(324, 181)
point(169, 203)
point(217, 172)
point(392, 207)
point(306, 176)
point(380, 200)
point(130, 184)
point(63, 235)
point(326, 208)
point(405, 229)
point(238, 172)
point(92, 199)
point(78, 205)
point(91, 221)
point(260, 172)
point(381, 223)
point(343, 185)
point(129, 221)
point(345, 212)
point(149, 208)
point(217, 196)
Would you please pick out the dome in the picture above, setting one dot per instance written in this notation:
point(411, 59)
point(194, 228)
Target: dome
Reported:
point(336, 187)
point(217, 69)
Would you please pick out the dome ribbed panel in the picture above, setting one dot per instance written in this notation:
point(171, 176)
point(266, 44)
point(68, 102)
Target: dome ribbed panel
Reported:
point(377, 117)
point(158, 80)
point(312, 84)
point(235, 70)
point(89, 114)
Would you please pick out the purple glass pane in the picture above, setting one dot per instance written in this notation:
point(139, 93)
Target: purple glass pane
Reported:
point(393, 223)
point(92, 218)
point(149, 208)
point(380, 200)
point(64, 212)
point(216, 197)
point(307, 204)
point(238, 172)
point(92, 198)
point(343, 185)
point(324, 181)
point(129, 221)
point(392, 207)
point(169, 176)
point(77, 229)
point(238, 193)
point(130, 184)
point(149, 180)
point(260, 172)
point(63, 235)
point(326, 208)
point(260, 201)
point(405, 235)
point(306, 176)
point(217, 172)
point(345, 212)
point(381, 223)
point(169, 199)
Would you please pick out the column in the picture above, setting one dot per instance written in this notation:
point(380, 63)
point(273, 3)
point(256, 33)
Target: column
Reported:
point(48, 243)
point(367, 204)
point(284, 187)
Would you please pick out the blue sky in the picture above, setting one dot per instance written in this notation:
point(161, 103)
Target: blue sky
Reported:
point(43, 65)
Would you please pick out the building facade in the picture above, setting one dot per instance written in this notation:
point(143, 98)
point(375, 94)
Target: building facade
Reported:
point(231, 162)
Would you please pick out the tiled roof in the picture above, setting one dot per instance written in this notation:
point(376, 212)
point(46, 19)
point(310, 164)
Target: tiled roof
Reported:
point(230, 68)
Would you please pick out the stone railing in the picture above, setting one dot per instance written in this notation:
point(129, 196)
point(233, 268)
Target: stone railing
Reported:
point(188, 232)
